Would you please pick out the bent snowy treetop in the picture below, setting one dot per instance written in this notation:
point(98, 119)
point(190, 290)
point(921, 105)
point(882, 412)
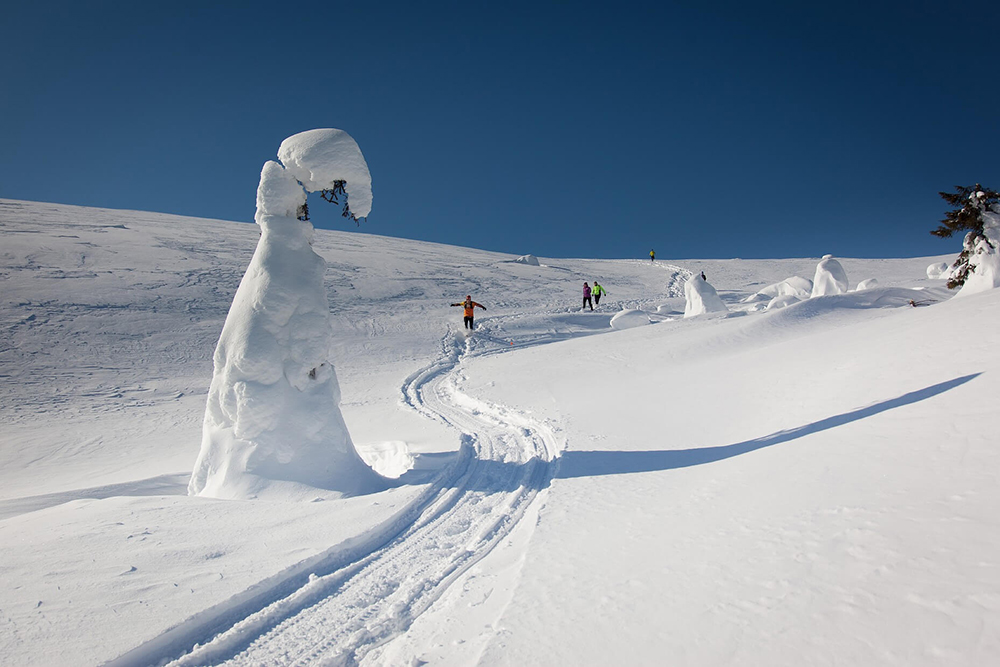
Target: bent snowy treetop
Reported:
point(319, 158)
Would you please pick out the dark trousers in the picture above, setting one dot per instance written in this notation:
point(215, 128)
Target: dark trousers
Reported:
point(597, 299)
point(468, 323)
point(586, 302)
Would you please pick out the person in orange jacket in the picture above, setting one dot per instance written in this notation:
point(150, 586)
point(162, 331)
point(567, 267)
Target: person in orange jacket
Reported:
point(470, 307)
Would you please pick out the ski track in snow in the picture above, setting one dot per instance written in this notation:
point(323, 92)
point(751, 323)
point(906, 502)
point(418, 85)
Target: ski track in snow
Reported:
point(337, 615)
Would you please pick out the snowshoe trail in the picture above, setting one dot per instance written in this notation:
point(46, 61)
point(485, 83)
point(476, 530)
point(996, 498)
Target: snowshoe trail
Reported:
point(337, 618)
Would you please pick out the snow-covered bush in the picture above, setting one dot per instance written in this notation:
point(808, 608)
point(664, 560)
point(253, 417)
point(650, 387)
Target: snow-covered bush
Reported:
point(866, 284)
point(273, 423)
point(629, 319)
point(794, 286)
point(701, 298)
point(937, 271)
point(830, 278)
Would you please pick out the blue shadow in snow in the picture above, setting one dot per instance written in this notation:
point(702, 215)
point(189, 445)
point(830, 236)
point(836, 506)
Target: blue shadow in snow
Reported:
point(591, 463)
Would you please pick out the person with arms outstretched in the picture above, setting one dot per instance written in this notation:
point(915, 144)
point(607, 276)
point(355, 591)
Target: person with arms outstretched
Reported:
point(470, 308)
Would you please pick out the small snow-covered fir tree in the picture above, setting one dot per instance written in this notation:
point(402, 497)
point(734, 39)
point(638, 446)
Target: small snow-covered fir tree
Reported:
point(272, 423)
point(976, 212)
point(830, 278)
point(701, 298)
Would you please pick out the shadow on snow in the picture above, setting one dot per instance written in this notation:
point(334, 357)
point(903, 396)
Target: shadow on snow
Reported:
point(497, 476)
point(592, 463)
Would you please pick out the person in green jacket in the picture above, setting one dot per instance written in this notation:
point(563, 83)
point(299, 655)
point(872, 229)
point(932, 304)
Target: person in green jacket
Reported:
point(597, 292)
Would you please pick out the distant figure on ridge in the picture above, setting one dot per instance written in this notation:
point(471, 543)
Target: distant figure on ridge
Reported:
point(470, 308)
point(597, 292)
point(652, 256)
point(586, 297)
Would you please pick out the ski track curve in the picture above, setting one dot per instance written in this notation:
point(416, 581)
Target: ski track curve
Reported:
point(504, 461)
point(336, 608)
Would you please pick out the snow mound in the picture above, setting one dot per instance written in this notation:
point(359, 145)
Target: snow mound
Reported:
point(782, 301)
point(830, 278)
point(390, 459)
point(666, 309)
point(701, 298)
point(866, 284)
point(318, 158)
point(794, 286)
point(272, 422)
point(937, 271)
point(629, 319)
point(530, 260)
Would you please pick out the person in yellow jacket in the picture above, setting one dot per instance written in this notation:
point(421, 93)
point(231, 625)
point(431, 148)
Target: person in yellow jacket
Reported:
point(598, 291)
point(470, 307)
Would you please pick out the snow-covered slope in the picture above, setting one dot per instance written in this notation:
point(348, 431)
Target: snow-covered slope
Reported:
point(810, 485)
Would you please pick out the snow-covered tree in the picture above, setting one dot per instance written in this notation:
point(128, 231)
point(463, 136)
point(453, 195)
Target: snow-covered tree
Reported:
point(273, 423)
point(830, 278)
point(976, 212)
point(701, 298)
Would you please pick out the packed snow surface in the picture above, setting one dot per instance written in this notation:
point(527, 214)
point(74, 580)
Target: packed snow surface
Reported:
point(810, 485)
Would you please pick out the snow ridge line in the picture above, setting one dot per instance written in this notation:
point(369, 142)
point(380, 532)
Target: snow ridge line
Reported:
point(337, 607)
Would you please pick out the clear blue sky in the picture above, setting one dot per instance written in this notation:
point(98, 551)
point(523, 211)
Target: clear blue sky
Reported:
point(563, 129)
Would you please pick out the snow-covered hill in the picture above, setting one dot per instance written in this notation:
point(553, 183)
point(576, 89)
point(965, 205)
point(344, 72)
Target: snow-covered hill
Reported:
point(815, 484)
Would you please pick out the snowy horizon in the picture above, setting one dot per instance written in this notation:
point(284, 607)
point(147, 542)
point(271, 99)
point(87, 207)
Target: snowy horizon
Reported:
point(732, 461)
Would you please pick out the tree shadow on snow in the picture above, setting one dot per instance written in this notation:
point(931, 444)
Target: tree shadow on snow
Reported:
point(594, 463)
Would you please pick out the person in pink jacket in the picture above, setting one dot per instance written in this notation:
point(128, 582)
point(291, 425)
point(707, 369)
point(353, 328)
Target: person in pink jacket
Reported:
point(586, 297)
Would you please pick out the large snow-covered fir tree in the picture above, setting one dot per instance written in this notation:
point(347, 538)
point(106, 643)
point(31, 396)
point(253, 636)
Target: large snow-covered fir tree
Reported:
point(273, 424)
point(976, 212)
